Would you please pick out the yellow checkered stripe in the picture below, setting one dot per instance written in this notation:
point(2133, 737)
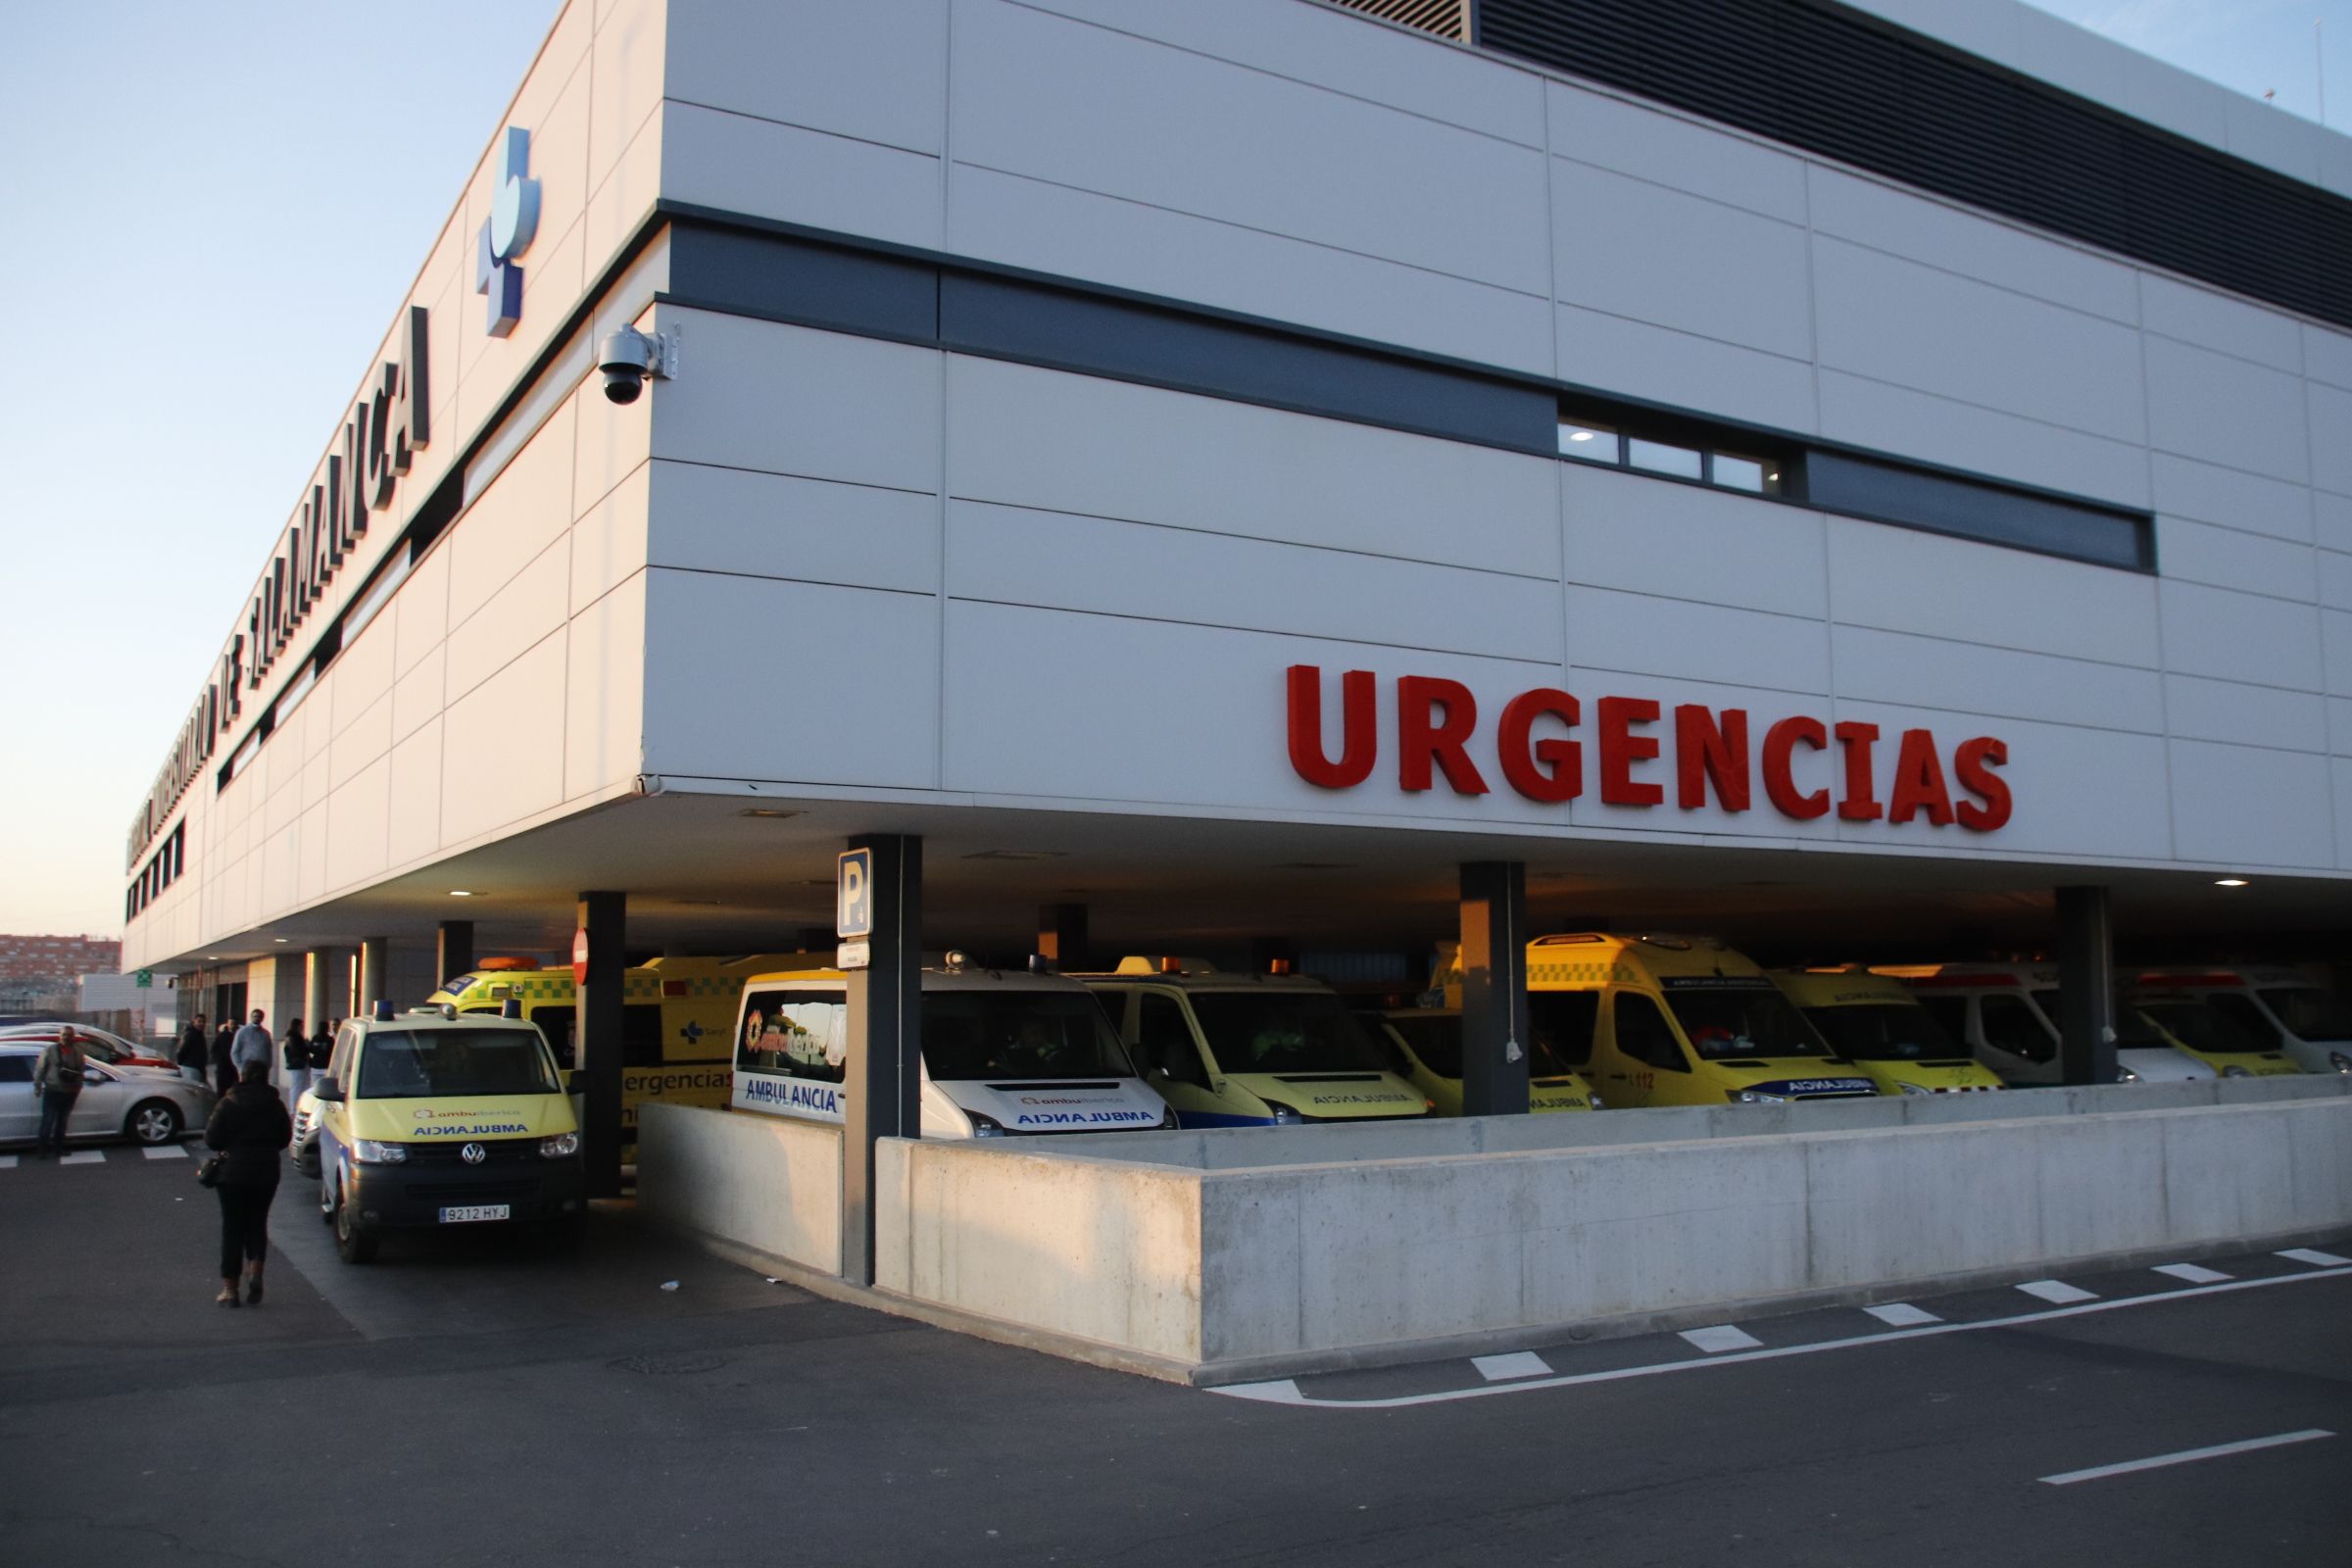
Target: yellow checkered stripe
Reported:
point(711, 986)
point(1590, 974)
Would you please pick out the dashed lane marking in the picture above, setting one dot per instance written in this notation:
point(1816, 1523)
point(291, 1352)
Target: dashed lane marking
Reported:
point(1901, 1314)
point(82, 1156)
point(1721, 1338)
point(2058, 1290)
point(2186, 1457)
point(2193, 1273)
point(1518, 1364)
point(1285, 1391)
point(163, 1152)
point(2316, 1257)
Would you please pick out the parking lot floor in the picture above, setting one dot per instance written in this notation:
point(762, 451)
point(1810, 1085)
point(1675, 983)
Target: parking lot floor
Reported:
point(468, 1400)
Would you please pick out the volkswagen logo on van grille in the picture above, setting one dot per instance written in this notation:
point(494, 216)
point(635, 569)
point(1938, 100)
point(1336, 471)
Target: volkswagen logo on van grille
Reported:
point(473, 1154)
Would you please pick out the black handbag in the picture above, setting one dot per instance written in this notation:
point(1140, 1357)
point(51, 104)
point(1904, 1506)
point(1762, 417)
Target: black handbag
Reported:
point(209, 1169)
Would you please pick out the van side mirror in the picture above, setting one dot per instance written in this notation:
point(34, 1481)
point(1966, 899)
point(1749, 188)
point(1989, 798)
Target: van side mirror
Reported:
point(328, 1090)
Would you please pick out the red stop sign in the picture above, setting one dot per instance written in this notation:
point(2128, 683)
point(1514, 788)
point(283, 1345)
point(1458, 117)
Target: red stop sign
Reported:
point(579, 957)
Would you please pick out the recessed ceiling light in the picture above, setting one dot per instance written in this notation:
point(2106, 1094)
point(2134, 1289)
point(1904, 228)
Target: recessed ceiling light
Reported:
point(766, 812)
point(1581, 436)
point(280, 941)
point(461, 893)
point(1018, 854)
point(2230, 882)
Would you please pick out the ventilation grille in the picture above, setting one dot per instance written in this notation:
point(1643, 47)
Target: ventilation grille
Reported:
point(1447, 19)
point(1818, 78)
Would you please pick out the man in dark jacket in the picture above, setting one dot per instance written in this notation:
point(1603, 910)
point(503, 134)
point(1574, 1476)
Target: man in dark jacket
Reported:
point(249, 1127)
point(195, 1050)
point(224, 1072)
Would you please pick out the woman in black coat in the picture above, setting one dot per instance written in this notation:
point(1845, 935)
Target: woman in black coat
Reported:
point(224, 1072)
point(249, 1127)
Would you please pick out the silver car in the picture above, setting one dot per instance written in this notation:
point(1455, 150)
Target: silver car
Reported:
point(145, 1105)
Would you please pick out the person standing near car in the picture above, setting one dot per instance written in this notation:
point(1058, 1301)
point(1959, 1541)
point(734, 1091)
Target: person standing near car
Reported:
point(195, 1050)
point(57, 1079)
point(323, 1049)
point(224, 1072)
point(248, 1127)
point(294, 1055)
point(251, 1045)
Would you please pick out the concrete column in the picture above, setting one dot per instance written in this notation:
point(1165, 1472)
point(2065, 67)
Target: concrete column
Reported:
point(1495, 1018)
point(453, 953)
point(884, 1077)
point(2085, 987)
point(1061, 935)
point(318, 986)
point(598, 1036)
point(376, 962)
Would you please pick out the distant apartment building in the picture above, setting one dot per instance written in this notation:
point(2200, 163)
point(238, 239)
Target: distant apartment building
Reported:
point(44, 973)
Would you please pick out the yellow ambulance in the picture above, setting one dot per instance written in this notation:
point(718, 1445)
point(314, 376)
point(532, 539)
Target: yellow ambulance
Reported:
point(1675, 1020)
point(677, 1020)
point(1877, 1024)
point(2164, 1007)
point(1428, 1042)
point(427, 1121)
point(1228, 1050)
point(2282, 1006)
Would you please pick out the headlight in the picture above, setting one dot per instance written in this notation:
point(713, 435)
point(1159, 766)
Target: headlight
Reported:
point(2126, 1076)
point(1915, 1088)
point(560, 1147)
point(1598, 1104)
point(1167, 1121)
point(1284, 1115)
point(985, 1126)
point(1752, 1097)
point(2339, 1062)
point(2234, 1071)
point(368, 1151)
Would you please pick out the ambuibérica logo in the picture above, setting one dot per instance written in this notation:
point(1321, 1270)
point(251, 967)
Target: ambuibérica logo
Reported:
point(507, 237)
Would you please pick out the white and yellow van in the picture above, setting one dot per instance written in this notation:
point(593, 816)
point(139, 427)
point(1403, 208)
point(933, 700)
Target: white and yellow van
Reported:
point(676, 1014)
point(2284, 1008)
point(1230, 1049)
point(1005, 1052)
point(2008, 1014)
point(1877, 1025)
point(1672, 1020)
point(2175, 1015)
point(1428, 1042)
point(426, 1121)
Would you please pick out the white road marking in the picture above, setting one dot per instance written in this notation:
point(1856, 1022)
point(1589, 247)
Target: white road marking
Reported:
point(1285, 1391)
point(82, 1156)
point(2315, 1257)
point(2194, 1273)
point(163, 1152)
point(1721, 1338)
point(2186, 1457)
point(1518, 1364)
point(1901, 1314)
point(7, 1163)
point(2058, 1290)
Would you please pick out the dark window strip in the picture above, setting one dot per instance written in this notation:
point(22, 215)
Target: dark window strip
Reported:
point(805, 281)
point(1854, 87)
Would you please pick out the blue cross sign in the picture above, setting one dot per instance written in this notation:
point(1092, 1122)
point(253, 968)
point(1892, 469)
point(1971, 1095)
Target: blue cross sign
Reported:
point(853, 895)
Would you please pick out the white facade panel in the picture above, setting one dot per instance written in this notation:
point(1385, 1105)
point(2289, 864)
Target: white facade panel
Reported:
point(1920, 327)
point(2243, 637)
point(1899, 580)
point(1641, 634)
point(1067, 443)
point(876, 72)
point(2333, 516)
point(2197, 708)
point(1644, 536)
point(2335, 579)
point(2223, 558)
point(1933, 673)
point(2241, 806)
point(739, 163)
point(2327, 351)
point(413, 797)
point(1120, 115)
point(603, 692)
point(776, 526)
point(2231, 497)
point(2214, 320)
point(2226, 409)
point(525, 510)
point(1977, 439)
point(519, 615)
point(1663, 148)
point(1627, 247)
point(1638, 359)
point(486, 787)
point(2331, 437)
point(879, 658)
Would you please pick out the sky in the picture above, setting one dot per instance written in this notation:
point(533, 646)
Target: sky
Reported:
point(215, 212)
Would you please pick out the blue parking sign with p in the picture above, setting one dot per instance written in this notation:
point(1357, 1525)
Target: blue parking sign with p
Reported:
point(853, 895)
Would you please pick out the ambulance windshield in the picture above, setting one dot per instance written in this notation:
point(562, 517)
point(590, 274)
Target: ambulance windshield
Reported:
point(1724, 1022)
point(1284, 1031)
point(1019, 1035)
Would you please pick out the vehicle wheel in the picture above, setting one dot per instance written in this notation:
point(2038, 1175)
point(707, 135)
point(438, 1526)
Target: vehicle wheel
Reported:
point(152, 1121)
point(562, 1235)
point(354, 1243)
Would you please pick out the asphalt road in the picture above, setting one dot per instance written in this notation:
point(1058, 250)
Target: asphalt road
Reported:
point(465, 1402)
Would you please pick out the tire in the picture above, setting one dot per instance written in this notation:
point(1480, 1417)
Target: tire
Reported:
point(354, 1243)
point(152, 1122)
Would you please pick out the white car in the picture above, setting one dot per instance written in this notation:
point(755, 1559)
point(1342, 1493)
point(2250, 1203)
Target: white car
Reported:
point(306, 1133)
point(145, 1105)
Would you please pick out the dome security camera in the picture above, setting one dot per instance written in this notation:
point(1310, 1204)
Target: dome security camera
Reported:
point(627, 357)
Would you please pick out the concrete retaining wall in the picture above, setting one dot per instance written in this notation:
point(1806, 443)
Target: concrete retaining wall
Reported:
point(1224, 1272)
point(760, 1181)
